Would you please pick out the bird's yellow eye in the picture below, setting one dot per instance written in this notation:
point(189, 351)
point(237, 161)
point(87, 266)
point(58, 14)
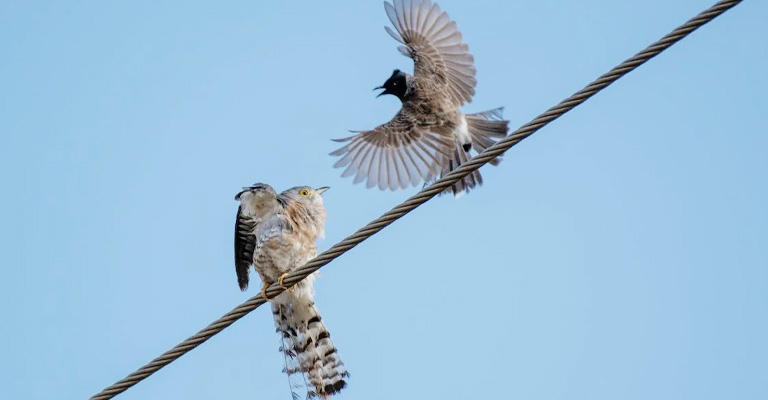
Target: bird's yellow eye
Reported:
point(304, 192)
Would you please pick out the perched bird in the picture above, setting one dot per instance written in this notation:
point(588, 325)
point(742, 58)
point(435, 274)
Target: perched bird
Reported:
point(277, 233)
point(429, 136)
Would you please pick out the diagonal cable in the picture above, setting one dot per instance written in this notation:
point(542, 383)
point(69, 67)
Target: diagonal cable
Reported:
point(420, 198)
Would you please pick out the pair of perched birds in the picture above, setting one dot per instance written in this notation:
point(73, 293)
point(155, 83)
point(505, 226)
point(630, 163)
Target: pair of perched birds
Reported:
point(428, 138)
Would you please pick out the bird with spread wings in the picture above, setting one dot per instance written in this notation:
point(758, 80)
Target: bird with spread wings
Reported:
point(430, 136)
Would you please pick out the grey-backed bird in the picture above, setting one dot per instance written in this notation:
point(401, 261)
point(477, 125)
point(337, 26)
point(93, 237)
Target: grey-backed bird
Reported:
point(276, 233)
point(429, 136)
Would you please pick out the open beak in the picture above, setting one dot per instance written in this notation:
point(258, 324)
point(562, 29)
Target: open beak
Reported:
point(245, 189)
point(380, 87)
point(237, 196)
point(322, 189)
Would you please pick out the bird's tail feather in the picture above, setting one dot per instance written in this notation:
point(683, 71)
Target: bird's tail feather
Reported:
point(469, 182)
point(312, 362)
point(485, 128)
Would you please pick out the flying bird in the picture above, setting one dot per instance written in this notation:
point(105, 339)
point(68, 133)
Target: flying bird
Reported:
point(276, 234)
point(430, 136)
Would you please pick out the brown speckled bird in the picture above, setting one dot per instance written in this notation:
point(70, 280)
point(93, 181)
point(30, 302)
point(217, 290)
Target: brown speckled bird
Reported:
point(277, 234)
point(429, 136)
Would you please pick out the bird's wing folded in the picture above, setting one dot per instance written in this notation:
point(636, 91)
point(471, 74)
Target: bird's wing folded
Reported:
point(257, 203)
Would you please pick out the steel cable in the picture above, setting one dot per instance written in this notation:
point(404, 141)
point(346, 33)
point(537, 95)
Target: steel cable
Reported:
point(420, 198)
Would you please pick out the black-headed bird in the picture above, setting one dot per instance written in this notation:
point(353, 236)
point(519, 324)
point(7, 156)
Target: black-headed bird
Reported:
point(430, 136)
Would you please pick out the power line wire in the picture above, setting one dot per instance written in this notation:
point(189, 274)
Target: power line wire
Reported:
point(420, 198)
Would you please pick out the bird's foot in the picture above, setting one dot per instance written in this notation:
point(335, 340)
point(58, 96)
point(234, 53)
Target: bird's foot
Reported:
point(280, 282)
point(264, 287)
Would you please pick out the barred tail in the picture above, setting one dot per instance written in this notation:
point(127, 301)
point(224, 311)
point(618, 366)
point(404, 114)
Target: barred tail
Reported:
point(312, 362)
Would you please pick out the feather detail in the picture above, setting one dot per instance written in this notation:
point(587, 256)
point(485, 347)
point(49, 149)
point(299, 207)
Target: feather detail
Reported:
point(312, 361)
point(484, 129)
point(435, 44)
point(394, 155)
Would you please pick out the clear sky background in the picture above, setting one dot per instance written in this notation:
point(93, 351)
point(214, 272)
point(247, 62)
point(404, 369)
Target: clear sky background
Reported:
point(621, 252)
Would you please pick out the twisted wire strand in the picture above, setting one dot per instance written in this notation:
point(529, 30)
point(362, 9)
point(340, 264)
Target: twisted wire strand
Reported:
point(420, 198)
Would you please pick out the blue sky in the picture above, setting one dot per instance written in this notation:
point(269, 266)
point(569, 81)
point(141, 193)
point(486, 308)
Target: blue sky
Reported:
point(618, 253)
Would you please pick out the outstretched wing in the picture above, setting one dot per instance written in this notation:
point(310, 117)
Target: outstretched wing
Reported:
point(257, 203)
point(434, 43)
point(394, 154)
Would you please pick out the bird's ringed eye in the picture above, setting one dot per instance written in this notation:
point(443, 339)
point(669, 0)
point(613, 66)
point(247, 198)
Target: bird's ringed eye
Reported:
point(304, 192)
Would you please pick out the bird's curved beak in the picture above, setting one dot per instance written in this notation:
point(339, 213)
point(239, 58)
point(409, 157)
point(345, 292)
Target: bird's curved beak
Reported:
point(380, 87)
point(322, 189)
point(237, 196)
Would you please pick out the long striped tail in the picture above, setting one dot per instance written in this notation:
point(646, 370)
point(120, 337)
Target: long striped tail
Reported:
point(312, 361)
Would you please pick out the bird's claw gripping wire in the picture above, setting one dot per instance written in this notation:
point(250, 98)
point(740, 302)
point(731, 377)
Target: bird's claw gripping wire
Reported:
point(264, 287)
point(280, 282)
